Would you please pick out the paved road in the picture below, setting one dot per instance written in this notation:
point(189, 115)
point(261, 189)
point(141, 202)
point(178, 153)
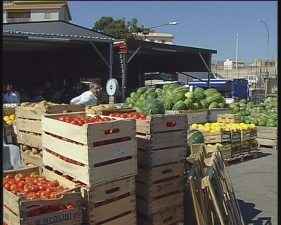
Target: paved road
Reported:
point(255, 185)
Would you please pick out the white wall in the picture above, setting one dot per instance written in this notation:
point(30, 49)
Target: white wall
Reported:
point(63, 15)
point(39, 14)
point(4, 16)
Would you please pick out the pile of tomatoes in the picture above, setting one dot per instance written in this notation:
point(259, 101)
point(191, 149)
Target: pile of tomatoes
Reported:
point(80, 120)
point(134, 115)
point(36, 186)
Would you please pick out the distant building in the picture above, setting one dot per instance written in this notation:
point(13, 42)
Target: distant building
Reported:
point(152, 36)
point(263, 63)
point(29, 11)
point(230, 65)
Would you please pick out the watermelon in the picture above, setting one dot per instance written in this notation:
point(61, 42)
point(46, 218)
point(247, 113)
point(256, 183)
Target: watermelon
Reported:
point(129, 100)
point(188, 104)
point(169, 94)
point(158, 91)
point(138, 109)
point(179, 105)
point(189, 95)
point(166, 86)
point(149, 90)
point(161, 98)
point(193, 137)
point(134, 95)
point(152, 95)
point(204, 104)
point(173, 86)
point(141, 90)
point(153, 106)
point(213, 105)
point(199, 95)
point(221, 105)
point(125, 105)
point(196, 105)
point(179, 96)
point(180, 89)
point(243, 101)
point(143, 97)
point(234, 104)
point(199, 89)
point(210, 91)
point(168, 104)
point(217, 97)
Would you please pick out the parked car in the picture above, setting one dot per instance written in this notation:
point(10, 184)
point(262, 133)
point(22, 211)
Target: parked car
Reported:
point(252, 79)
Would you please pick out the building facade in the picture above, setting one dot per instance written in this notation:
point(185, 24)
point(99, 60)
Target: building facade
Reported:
point(31, 11)
point(230, 65)
point(152, 36)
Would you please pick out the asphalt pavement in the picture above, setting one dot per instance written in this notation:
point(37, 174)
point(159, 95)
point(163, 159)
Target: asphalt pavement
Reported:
point(255, 186)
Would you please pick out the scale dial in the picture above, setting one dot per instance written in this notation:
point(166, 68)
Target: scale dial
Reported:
point(112, 87)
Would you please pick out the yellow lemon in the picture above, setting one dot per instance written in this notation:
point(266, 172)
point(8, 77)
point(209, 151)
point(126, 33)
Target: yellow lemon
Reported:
point(194, 126)
point(207, 125)
point(9, 122)
point(6, 118)
point(207, 129)
point(13, 117)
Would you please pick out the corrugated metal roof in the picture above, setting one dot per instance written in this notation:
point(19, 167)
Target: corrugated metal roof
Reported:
point(54, 29)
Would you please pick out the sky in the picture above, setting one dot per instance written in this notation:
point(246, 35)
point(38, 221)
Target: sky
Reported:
point(202, 24)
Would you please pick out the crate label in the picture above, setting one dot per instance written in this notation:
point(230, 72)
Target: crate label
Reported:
point(119, 150)
point(56, 218)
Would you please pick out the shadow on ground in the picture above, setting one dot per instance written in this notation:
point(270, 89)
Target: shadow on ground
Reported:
point(249, 213)
point(261, 154)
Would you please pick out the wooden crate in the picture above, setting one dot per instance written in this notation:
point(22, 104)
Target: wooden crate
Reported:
point(216, 137)
point(159, 188)
point(253, 145)
point(228, 118)
point(9, 130)
point(245, 135)
point(173, 216)
point(8, 111)
point(193, 116)
point(37, 112)
point(29, 125)
point(236, 150)
point(99, 163)
point(26, 138)
point(16, 207)
point(213, 113)
point(245, 147)
point(106, 112)
point(253, 133)
point(38, 161)
point(226, 151)
point(108, 203)
point(235, 136)
point(267, 136)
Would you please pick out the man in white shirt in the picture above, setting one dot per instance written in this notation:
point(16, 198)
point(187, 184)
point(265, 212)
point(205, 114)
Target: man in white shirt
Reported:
point(89, 97)
point(10, 96)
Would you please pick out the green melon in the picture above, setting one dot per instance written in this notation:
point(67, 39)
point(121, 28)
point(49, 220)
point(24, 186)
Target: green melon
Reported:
point(179, 105)
point(153, 106)
point(188, 104)
point(217, 97)
point(141, 90)
point(168, 104)
point(193, 137)
point(210, 91)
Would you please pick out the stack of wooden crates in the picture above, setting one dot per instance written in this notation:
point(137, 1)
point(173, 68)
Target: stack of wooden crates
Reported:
point(161, 142)
point(29, 133)
point(103, 163)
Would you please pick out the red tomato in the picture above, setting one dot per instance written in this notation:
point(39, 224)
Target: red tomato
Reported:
point(97, 117)
point(74, 122)
point(13, 187)
point(118, 115)
point(34, 188)
point(136, 116)
point(80, 122)
point(68, 118)
point(51, 189)
point(39, 183)
point(12, 181)
point(106, 118)
point(42, 187)
point(21, 184)
point(112, 119)
point(143, 116)
point(41, 178)
point(130, 115)
point(19, 177)
point(28, 179)
point(55, 183)
point(44, 194)
point(9, 176)
point(34, 175)
point(7, 186)
point(35, 180)
point(15, 192)
point(69, 206)
point(62, 118)
point(52, 194)
point(5, 180)
point(124, 115)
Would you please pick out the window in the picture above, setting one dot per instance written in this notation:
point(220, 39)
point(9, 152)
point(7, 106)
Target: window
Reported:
point(163, 41)
point(47, 15)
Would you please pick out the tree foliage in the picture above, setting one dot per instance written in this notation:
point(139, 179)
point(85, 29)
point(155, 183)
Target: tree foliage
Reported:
point(118, 28)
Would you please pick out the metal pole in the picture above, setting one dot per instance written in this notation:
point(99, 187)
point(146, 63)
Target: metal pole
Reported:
point(267, 43)
point(236, 48)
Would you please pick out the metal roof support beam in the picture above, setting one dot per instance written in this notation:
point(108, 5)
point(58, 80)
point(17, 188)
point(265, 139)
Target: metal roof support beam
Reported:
point(134, 54)
point(100, 54)
point(110, 59)
point(207, 69)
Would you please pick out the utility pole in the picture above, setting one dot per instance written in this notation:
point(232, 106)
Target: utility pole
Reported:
point(236, 49)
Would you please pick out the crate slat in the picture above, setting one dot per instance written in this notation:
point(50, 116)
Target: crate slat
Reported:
point(193, 116)
point(228, 118)
point(29, 125)
point(213, 113)
point(92, 176)
point(29, 139)
point(217, 136)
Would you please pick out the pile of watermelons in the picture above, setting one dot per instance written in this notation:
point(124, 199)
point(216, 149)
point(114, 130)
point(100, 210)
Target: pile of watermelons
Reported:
point(261, 115)
point(173, 97)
